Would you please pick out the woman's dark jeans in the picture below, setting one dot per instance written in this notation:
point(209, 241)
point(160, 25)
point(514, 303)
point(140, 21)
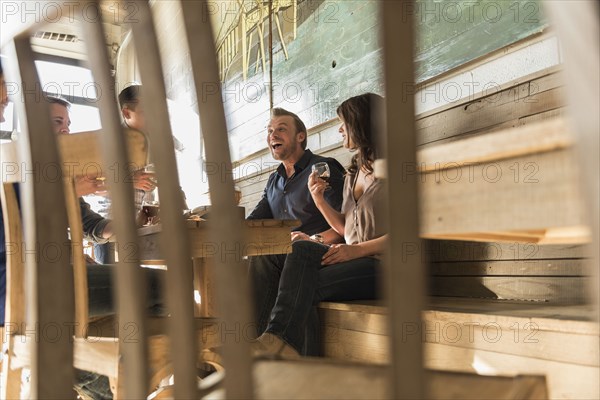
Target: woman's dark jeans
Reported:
point(303, 283)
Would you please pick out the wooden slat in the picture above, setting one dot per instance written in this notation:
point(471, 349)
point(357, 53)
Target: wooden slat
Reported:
point(355, 346)
point(543, 116)
point(174, 242)
point(468, 67)
point(49, 285)
point(546, 316)
point(264, 237)
point(453, 250)
point(233, 290)
point(312, 379)
point(496, 109)
point(11, 163)
point(551, 317)
point(520, 321)
point(205, 282)
point(523, 340)
point(14, 312)
point(529, 139)
point(517, 269)
point(524, 193)
point(100, 354)
point(13, 230)
point(130, 283)
point(81, 154)
point(582, 63)
point(510, 335)
point(93, 354)
point(403, 276)
point(556, 346)
point(561, 235)
point(547, 289)
point(521, 169)
point(564, 381)
point(77, 258)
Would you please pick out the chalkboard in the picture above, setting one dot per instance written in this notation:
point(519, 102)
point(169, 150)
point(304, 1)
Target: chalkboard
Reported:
point(451, 33)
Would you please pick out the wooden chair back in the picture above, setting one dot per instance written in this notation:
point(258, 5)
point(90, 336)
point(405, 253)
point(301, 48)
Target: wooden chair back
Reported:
point(131, 292)
point(78, 152)
point(46, 299)
point(14, 314)
point(48, 290)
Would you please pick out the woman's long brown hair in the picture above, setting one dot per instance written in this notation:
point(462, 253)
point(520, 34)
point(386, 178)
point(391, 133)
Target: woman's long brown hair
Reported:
point(357, 113)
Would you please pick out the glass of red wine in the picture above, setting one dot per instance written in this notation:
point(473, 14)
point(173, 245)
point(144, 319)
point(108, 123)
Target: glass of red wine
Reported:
point(323, 172)
point(150, 203)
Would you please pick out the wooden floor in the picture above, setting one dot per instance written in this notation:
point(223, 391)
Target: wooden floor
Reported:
point(479, 335)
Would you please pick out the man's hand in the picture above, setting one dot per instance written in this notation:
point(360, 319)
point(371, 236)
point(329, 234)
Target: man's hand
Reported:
point(85, 185)
point(299, 236)
point(144, 181)
point(89, 260)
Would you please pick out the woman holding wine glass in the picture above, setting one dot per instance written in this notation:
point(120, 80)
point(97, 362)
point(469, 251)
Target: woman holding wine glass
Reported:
point(315, 272)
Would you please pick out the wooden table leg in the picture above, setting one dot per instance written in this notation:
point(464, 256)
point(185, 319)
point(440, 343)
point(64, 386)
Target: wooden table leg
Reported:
point(204, 283)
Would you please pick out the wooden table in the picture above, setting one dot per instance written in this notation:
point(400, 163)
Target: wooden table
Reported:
point(263, 236)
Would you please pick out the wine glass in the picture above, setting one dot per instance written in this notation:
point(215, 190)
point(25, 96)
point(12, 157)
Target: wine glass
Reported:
point(150, 170)
point(150, 203)
point(323, 172)
point(151, 209)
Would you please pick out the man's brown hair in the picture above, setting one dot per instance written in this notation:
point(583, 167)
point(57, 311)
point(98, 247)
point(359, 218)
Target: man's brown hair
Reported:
point(130, 96)
point(58, 100)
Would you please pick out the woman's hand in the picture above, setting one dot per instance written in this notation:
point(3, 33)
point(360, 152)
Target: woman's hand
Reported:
point(316, 186)
point(338, 253)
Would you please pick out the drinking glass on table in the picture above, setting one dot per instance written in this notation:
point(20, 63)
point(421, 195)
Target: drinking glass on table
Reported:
point(150, 203)
point(323, 172)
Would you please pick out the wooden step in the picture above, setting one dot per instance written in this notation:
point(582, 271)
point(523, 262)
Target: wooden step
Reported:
point(315, 379)
point(480, 335)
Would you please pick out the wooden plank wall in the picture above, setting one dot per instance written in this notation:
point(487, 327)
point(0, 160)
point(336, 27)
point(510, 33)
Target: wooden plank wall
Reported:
point(537, 97)
point(507, 271)
point(503, 270)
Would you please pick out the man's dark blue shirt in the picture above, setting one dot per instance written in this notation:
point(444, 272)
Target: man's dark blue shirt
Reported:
point(289, 198)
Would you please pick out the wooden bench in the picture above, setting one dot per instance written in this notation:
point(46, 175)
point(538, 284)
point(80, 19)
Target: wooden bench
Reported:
point(475, 335)
point(344, 380)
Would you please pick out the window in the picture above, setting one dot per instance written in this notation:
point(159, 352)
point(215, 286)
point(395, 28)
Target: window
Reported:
point(68, 79)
